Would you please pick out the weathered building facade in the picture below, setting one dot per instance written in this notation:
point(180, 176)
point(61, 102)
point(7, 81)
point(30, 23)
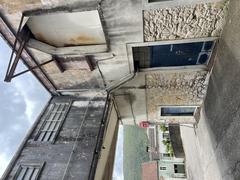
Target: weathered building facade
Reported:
point(72, 136)
point(150, 61)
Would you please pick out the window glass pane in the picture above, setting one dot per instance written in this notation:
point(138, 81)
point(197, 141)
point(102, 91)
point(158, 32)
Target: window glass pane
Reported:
point(179, 168)
point(168, 55)
point(177, 111)
point(166, 135)
point(21, 173)
point(152, 1)
point(47, 125)
point(166, 155)
point(35, 173)
point(53, 121)
point(163, 168)
point(27, 172)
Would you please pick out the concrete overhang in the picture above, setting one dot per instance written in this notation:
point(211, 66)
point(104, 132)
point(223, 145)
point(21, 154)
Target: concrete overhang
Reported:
point(66, 33)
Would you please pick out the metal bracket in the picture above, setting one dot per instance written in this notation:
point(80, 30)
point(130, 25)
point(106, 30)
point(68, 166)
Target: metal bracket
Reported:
point(12, 65)
point(21, 40)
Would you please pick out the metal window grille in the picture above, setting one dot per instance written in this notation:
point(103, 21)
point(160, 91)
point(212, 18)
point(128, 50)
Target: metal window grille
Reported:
point(28, 172)
point(53, 121)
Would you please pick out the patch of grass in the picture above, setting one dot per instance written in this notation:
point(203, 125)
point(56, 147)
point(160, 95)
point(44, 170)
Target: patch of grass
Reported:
point(134, 152)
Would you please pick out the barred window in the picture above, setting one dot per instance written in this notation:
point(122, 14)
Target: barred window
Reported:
point(28, 172)
point(53, 121)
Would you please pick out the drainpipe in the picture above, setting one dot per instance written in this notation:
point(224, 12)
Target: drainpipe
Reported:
point(121, 82)
point(109, 90)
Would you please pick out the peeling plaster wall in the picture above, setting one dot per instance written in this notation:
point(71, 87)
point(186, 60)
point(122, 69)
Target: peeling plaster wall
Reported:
point(122, 22)
point(79, 133)
point(174, 88)
point(201, 20)
point(22, 5)
point(15, 6)
point(74, 76)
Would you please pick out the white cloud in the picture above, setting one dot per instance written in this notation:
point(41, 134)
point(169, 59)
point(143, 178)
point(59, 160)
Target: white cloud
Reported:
point(23, 88)
point(31, 91)
point(4, 162)
point(21, 102)
point(118, 164)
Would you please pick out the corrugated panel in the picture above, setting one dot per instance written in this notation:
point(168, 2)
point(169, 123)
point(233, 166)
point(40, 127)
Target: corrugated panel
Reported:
point(68, 29)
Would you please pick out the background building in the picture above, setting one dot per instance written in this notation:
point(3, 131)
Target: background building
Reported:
point(165, 149)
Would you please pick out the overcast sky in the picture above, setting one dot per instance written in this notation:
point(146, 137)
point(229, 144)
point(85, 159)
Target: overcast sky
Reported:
point(118, 164)
point(21, 102)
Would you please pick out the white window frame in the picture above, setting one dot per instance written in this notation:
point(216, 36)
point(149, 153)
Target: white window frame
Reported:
point(160, 110)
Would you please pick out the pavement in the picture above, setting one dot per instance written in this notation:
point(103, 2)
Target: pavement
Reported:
point(213, 148)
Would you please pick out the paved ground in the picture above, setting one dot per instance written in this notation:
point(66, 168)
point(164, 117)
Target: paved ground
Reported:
point(213, 149)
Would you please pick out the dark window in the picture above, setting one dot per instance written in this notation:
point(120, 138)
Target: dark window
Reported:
point(166, 136)
point(179, 168)
point(168, 55)
point(163, 168)
point(166, 155)
point(152, 1)
point(53, 121)
point(177, 111)
point(28, 172)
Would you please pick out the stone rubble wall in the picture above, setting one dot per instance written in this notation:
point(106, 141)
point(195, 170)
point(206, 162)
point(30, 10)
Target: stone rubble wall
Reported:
point(174, 88)
point(201, 20)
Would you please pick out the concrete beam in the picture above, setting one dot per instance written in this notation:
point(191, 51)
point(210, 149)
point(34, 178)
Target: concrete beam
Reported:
point(73, 50)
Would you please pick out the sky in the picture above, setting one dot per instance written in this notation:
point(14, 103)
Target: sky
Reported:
point(118, 164)
point(21, 102)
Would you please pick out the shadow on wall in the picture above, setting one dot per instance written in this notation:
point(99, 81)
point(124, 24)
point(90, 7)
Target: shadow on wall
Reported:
point(222, 107)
